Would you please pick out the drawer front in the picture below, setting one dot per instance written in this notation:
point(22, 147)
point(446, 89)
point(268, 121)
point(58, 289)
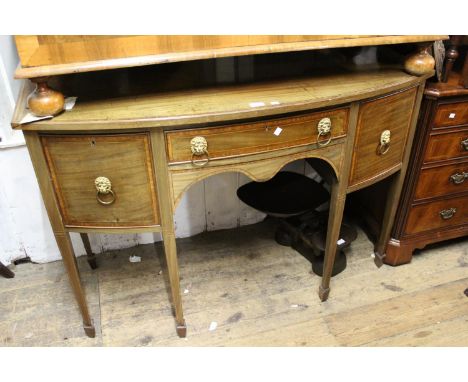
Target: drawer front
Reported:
point(443, 180)
point(125, 160)
point(391, 113)
point(438, 215)
point(447, 145)
point(452, 114)
point(257, 137)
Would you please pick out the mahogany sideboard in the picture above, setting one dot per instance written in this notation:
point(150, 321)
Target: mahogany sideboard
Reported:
point(120, 160)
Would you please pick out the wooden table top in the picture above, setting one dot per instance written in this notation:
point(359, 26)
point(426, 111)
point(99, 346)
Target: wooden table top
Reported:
point(217, 103)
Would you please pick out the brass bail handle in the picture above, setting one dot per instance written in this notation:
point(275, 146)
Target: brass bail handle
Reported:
point(324, 129)
point(384, 144)
point(104, 187)
point(464, 144)
point(199, 148)
point(448, 213)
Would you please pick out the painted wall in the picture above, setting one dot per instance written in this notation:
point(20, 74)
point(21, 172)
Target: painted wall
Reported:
point(24, 227)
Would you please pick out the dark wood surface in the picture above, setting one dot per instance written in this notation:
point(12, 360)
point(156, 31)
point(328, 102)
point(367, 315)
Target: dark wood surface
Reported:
point(429, 190)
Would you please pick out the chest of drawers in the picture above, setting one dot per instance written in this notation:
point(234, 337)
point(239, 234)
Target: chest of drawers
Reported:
point(434, 206)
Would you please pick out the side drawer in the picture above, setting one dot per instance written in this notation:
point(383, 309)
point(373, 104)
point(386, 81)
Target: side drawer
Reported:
point(76, 161)
point(390, 114)
point(437, 215)
point(451, 114)
point(443, 180)
point(445, 145)
point(256, 137)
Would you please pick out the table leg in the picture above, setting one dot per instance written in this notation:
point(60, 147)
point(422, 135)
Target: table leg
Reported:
point(391, 205)
point(91, 257)
point(69, 260)
point(5, 272)
point(173, 269)
point(335, 216)
point(61, 236)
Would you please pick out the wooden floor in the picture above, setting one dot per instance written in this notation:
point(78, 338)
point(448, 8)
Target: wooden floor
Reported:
point(258, 293)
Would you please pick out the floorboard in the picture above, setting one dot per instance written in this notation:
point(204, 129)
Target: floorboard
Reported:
point(257, 292)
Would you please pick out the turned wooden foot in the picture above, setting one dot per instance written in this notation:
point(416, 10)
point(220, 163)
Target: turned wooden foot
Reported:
point(421, 62)
point(5, 272)
point(90, 330)
point(45, 101)
point(182, 330)
point(323, 293)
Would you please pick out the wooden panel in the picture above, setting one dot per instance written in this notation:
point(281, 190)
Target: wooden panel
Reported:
point(74, 163)
point(446, 145)
point(212, 104)
point(54, 55)
point(451, 114)
point(437, 181)
point(392, 113)
point(427, 217)
point(256, 137)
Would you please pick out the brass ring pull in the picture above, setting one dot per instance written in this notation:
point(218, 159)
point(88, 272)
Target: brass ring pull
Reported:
point(199, 162)
point(199, 147)
point(447, 214)
point(104, 187)
point(384, 144)
point(327, 142)
point(324, 129)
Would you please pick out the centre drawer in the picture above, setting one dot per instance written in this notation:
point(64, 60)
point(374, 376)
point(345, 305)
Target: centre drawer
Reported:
point(103, 180)
point(256, 137)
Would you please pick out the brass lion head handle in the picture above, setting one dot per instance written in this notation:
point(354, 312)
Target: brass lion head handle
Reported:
point(324, 128)
point(104, 187)
point(199, 148)
point(384, 144)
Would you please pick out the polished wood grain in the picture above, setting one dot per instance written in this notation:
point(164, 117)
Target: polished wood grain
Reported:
point(446, 144)
point(451, 114)
point(56, 55)
point(427, 216)
point(267, 135)
point(443, 180)
point(391, 113)
point(220, 103)
point(75, 161)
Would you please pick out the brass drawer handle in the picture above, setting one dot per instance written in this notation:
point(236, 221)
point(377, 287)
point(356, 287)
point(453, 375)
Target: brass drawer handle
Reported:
point(324, 129)
point(458, 178)
point(104, 187)
point(464, 144)
point(384, 144)
point(199, 147)
point(447, 214)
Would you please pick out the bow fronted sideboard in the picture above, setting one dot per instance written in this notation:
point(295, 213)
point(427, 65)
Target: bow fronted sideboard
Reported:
point(135, 141)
